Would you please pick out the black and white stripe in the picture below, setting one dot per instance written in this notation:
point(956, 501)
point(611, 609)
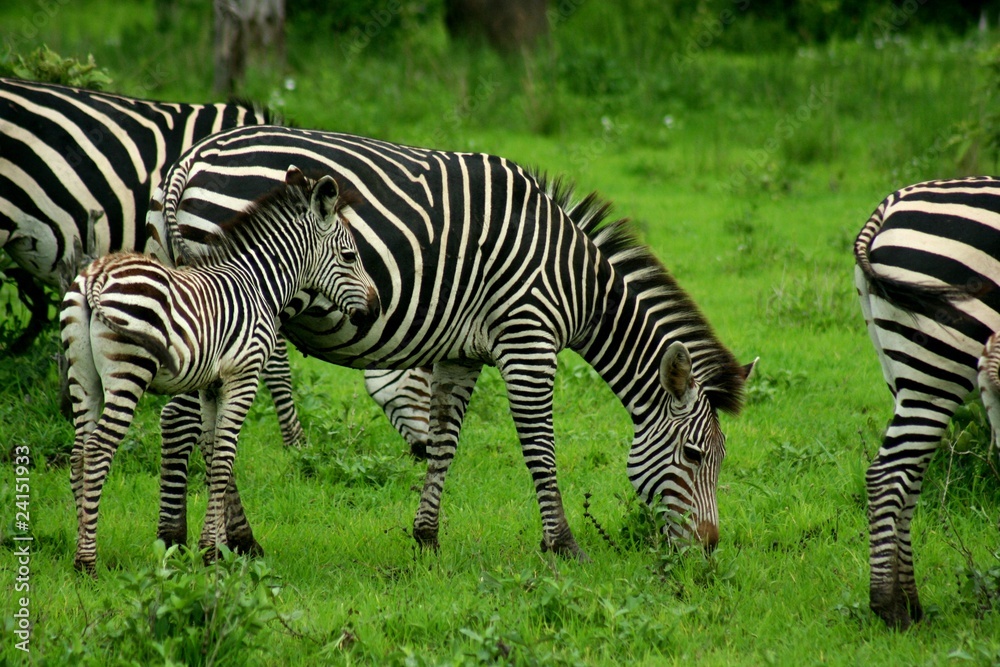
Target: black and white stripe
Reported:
point(130, 324)
point(69, 155)
point(478, 262)
point(927, 275)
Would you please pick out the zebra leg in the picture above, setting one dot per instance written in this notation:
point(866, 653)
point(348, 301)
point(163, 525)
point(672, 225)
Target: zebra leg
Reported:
point(894, 480)
point(529, 381)
point(232, 403)
point(405, 397)
point(450, 393)
point(122, 391)
point(180, 428)
point(277, 377)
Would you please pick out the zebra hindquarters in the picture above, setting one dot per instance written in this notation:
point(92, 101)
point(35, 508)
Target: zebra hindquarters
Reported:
point(929, 371)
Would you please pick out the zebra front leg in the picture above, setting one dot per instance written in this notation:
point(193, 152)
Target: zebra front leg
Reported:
point(893, 481)
point(405, 397)
point(277, 377)
point(529, 383)
point(232, 403)
point(180, 427)
point(451, 390)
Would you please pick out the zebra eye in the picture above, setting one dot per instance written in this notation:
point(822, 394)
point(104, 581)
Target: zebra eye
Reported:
point(349, 256)
point(693, 454)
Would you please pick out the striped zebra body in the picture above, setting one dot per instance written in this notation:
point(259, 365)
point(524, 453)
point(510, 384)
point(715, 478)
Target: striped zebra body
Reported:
point(928, 268)
point(989, 386)
point(130, 324)
point(71, 156)
point(477, 262)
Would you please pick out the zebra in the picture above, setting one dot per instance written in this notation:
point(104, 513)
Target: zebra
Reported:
point(926, 274)
point(131, 324)
point(478, 261)
point(70, 156)
point(989, 386)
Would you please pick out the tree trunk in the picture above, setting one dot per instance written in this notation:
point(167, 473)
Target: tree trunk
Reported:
point(508, 25)
point(241, 27)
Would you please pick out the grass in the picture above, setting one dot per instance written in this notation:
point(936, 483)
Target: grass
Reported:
point(749, 177)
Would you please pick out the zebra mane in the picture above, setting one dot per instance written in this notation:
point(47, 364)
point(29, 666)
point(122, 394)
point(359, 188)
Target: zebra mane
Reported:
point(220, 243)
point(720, 373)
point(270, 116)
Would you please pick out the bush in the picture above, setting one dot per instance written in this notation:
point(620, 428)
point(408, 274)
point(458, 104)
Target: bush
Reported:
point(44, 64)
point(182, 612)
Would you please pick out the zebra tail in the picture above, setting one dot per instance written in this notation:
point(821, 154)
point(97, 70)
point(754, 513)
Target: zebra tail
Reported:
point(143, 340)
point(937, 301)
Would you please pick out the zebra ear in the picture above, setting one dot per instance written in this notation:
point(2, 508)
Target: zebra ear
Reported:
point(294, 176)
point(749, 368)
point(675, 370)
point(324, 197)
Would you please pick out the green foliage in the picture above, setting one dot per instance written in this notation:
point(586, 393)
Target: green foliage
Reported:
point(44, 64)
point(182, 612)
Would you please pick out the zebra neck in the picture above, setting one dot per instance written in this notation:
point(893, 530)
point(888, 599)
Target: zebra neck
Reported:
point(273, 274)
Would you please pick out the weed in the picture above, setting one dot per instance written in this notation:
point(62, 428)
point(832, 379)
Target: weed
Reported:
point(183, 612)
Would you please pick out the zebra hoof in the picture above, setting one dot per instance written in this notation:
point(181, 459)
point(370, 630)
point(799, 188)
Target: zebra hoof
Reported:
point(426, 538)
point(893, 609)
point(246, 547)
point(173, 537)
point(88, 567)
point(567, 549)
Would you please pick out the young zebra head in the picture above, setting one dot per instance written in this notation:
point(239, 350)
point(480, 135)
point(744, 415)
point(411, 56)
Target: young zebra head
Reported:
point(334, 268)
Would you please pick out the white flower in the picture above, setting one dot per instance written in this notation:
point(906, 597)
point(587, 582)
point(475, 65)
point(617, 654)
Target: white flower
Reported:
point(289, 83)
point(668, 120)
point(607, 124)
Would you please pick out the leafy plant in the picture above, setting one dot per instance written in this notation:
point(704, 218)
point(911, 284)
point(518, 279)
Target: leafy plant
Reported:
point(182, 612)
point(44, 64)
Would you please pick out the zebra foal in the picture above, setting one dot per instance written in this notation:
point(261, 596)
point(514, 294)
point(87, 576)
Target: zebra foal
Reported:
point(927, 274)
point(130, 324)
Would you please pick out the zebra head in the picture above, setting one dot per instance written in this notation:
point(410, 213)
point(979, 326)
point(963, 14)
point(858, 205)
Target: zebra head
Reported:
point(336, 271)
point(678, 450)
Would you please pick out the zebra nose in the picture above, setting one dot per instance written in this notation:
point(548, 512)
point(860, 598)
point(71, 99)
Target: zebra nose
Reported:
point(708, 533)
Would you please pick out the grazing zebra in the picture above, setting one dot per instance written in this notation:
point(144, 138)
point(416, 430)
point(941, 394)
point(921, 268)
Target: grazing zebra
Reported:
point(67, 155)
point(131, 324)
point(927, 275)
point(478, 262)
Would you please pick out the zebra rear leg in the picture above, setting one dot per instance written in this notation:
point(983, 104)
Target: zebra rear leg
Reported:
point(120, 399)
point(451, 390)
point(32, 295)
point(893, 490)
point(529, 390)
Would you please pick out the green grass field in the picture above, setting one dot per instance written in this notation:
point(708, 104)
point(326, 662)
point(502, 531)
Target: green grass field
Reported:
point(748, 176)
